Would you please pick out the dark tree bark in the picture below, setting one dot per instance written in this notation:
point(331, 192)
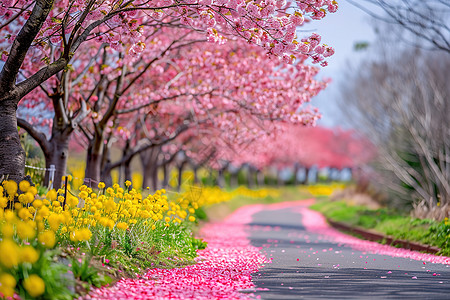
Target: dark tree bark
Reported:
point(305, 180)
point(166, 172)
point(251, 177)
point(149, 167)
point(260, 178)
point(234, 179)
point(221, 178)
point(57, 156)
point(195, 171)
point(180, 173)
point(296, 169)
point(12, 155)
point(94, 158)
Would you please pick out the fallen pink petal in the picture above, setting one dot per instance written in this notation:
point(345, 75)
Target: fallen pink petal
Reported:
point(223, 269)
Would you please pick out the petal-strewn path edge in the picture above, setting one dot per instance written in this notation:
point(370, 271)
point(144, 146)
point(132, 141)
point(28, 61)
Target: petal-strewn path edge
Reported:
point(223, 269)
point(316, 222)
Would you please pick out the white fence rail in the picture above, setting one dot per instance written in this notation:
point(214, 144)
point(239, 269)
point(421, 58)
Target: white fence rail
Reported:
point(51, 175)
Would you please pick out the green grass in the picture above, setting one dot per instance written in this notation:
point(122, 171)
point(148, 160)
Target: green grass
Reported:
point(389, 222)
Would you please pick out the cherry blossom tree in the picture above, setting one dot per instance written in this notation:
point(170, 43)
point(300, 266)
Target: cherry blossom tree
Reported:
point(292, 146)
point(220, 87)
point(51, 32)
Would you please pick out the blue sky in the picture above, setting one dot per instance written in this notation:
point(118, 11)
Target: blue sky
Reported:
point(341, 30)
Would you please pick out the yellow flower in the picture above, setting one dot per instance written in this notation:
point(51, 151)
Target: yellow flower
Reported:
point(10, 187)
point(34, 285)
point(32, 210)
point(43, 211)
point(72, 201)
point(122, 225)
point(167, 219)
point(8, 280)
point(101, 185)
point(127, 183)
point(37, 203)
point(33, 190)
point(54, 221)
point(83, 195)
point(7, 284)
point(51, 195)
point(85, 234)
point(9, 253)
point(24, 214)
point(8, 230)
point(6, 291)
point(25, 231)
point(29, 197)
point(192, 218)
point(47, 238)
point(153, 227)
point(3, 202)
point(24, 185)
point(29, 254)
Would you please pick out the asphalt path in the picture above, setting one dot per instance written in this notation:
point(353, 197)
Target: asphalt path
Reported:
point(309, 265)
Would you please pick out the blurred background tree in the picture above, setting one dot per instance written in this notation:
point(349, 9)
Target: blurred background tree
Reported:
point(401, 102)
point(426, 22)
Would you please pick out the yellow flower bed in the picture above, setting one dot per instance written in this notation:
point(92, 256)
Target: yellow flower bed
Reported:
point(30, 225)
point(204, 196)
point(324, 189)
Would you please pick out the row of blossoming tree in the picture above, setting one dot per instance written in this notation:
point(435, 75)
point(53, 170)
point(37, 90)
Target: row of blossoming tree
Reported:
point(142, 73)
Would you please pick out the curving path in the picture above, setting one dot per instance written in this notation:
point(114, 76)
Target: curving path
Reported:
point(310, 260)
point(286, 251)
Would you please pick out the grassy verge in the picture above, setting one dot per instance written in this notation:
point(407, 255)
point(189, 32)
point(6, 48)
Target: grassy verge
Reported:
point(388, 222)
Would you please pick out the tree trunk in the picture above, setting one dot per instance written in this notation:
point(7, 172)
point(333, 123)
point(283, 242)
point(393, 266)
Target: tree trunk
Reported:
point(154, 176)
point(127, 171)
point(180, 174)
point(94, 158)
point(280, 181)
point(260, 178)
point(57, 156)
point(221, 178)
point(106, 175)
point(195, 170)
point(296, 169)
point(126, 164)
point(305, 180)
point(12, 155)
point(150, 168)
point(250, 177)
point(147, 180)
point(234, 179)
point(166, 172)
